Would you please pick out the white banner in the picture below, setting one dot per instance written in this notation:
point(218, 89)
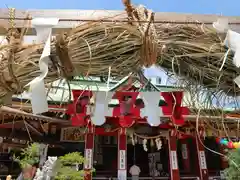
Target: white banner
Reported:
point(174, 161)
point(122, 174)
point(43, 27)
point(88, 159)
point(202, 160)
point(122, 159)
point(184, 151)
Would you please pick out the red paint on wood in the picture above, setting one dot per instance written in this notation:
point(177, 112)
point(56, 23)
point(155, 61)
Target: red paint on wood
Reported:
point(172, 146)
point(185, 155)
point(89, 144)
point(122, 152)
point(103, 132)
point(224, 160)
point(127, 112)
point(201, 170)
point(173, 107)
point(78, 109)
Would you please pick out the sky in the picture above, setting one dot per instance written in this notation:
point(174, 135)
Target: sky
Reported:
point(220, 7)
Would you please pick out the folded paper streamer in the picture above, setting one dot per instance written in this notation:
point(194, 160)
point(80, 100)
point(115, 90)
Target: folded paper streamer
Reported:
point(237, 80)
point(43, 27)
point(151, 111)
point(221, 25)
point(101, 107)
point(232, 40)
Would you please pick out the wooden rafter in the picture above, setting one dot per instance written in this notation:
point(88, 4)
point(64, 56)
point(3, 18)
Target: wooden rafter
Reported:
point(19, 113)
point(32, 128)
point(72, 18)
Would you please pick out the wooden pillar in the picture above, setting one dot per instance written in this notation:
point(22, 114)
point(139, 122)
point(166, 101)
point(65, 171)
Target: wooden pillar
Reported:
point(185, 155)
point(224, 160)
point(173, 161)
point(202, 170)
point(122, 154)
point(88, 154)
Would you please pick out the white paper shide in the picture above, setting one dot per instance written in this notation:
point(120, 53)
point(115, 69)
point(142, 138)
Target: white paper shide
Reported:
point(151, 111)
point(43, 27)
point(88, 159)
point(122, 159)
point(202, 159)
point(184, 151)
point(174, 162)
point(232, 41)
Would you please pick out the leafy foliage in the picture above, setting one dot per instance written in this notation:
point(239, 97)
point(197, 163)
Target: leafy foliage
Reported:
point(65, 167)
point(233, 172)
point(29, 156)
point(72, 158)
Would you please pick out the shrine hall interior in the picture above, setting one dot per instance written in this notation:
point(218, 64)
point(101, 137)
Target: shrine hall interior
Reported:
point(106, 150)
point(49, 128)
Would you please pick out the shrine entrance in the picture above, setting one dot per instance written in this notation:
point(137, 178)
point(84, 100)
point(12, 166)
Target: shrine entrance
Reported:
point(151, 163)
point(105, 156)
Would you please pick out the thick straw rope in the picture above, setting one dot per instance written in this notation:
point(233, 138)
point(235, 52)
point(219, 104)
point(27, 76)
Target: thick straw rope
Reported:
point(89, 49)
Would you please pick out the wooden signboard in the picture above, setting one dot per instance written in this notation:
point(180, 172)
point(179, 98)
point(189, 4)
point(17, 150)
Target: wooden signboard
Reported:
point(72, 134)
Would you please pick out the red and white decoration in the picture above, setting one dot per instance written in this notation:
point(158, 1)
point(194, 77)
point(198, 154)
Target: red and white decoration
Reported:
point(89, 105)
point(88, 154)
point(122, 154)
point(172, 145)
point(185, 155)
point(202, 164)
point(102, 100)
point(174, 108)
point(151, 111)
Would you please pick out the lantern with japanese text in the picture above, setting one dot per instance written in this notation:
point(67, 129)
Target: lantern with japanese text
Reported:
point(132, 106)
point(174, 107)
point(127, 111)
point(79, 108)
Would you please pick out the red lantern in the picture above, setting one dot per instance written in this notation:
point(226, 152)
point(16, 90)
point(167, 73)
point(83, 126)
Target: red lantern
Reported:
point(174, 108)
point(230, 145)
point(127, 112)
point(78, 109)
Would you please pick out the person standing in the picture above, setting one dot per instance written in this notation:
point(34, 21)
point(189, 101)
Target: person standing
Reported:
point(135, 171)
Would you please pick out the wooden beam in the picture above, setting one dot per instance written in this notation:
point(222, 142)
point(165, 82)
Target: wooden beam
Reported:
point(32, 128)
point(23, 135)
point(73, 18)
point(20, 113)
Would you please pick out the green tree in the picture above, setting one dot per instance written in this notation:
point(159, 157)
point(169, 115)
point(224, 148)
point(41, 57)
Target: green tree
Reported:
point(29, 156)
point(66, 167)
point(233, 171)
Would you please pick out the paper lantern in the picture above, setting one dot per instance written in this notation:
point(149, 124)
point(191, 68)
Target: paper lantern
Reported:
point(223, 142)
point(235, 144)
point(230, 145)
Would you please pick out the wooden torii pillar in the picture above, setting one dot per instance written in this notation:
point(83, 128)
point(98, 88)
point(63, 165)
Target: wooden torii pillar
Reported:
point(224, 161)
point(173, 160)
point(185, 155)
point(202, 170)
point(88, 154)
point(122, 154)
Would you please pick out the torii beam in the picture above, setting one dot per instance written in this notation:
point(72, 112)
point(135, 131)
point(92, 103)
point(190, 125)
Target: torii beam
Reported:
point(72, 18)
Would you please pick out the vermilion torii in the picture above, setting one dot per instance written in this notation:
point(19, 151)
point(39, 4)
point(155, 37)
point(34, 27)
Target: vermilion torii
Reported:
point(131, 107)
